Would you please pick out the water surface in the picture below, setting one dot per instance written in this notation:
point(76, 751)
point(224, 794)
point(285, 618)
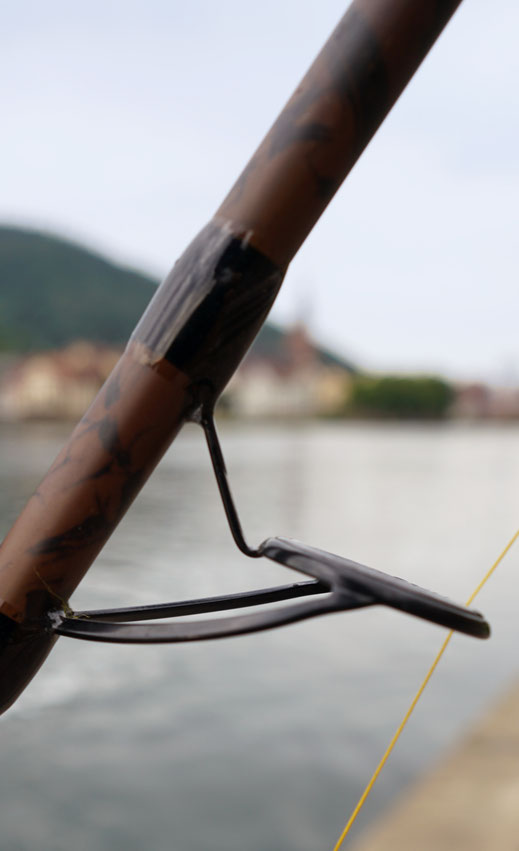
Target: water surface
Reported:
point(266, 741)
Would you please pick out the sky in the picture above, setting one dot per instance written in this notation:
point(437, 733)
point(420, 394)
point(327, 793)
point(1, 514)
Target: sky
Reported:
point(125, 123)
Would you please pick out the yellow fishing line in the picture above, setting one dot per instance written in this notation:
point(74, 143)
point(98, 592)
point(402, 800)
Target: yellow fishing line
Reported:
point(394, 740)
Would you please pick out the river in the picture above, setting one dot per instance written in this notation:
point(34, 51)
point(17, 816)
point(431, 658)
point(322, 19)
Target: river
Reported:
point(264, 742)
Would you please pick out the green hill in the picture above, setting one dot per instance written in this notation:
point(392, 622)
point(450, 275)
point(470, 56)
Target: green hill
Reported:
point(53, 291)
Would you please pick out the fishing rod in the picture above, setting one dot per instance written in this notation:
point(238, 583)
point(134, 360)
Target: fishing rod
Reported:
point(183, 352)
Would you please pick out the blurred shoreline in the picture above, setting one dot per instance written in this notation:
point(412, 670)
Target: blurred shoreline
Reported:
point(287, 378)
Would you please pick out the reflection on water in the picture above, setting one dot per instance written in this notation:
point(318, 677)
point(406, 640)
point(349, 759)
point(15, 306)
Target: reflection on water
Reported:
point(262, 742)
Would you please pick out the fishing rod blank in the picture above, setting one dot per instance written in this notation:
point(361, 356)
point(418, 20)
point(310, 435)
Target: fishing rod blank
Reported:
point(201, 322)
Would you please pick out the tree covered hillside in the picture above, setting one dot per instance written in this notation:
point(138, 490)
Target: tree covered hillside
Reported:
point(53, 291)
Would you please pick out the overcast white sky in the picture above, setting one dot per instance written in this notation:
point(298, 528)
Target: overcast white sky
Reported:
point(125, 122)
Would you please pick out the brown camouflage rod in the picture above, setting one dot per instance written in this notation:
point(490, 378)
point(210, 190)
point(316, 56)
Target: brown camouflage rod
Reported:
point(204, 317)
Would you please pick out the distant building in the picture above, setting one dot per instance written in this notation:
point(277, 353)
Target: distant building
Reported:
point(285, 374)
point(478, 401)
point(56, 384)
point(288, 375)
point(472, 401)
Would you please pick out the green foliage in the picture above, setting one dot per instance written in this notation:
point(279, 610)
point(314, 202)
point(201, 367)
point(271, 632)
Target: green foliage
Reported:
point(400, 397)
point(6, 342)
point(53, 292)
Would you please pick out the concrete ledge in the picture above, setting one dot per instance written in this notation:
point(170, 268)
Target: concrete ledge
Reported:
point(470, 801)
